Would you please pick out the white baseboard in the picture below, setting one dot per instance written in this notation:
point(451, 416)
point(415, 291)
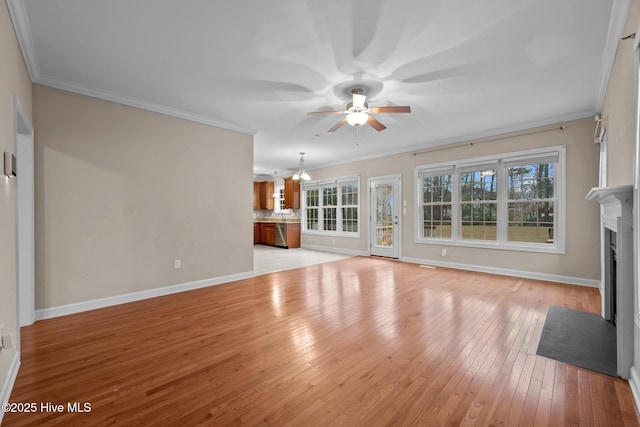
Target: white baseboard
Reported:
point(508, 272)
point(63, 310)
point(7, 386)
point(634, 383)
point(341, 251)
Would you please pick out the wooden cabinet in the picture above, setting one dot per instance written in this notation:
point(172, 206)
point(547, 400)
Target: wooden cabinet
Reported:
point(263, 195)
point(256, 195)
point(264, 233)
point(293, 235)
point(268, 194)
point(291, 193)
point(268, 233)
point(256, 233)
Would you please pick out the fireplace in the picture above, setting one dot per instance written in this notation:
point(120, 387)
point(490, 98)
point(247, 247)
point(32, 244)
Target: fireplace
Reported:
point(617, 292)
point(610, 275)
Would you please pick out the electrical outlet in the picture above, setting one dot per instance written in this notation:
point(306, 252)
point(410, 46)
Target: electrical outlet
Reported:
point(7, 340)
point(177, 264)
point(444, 253)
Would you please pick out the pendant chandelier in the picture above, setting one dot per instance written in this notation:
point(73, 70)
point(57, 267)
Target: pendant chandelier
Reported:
point(301, 174)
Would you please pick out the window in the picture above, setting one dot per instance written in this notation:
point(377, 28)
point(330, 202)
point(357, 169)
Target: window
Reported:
point(531, 202)
point(478, 203)
point(281, 199)
point(349, 206)
point(436, 204)
point(515, 201)
point(278, 204)
point(331, 206)
point(311, 209)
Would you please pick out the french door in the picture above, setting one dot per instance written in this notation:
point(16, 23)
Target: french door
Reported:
point(384, 231)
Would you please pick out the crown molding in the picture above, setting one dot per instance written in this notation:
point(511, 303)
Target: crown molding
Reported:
point(144, 105)
point(23, 32)
point(488, 135)
point(617, 21)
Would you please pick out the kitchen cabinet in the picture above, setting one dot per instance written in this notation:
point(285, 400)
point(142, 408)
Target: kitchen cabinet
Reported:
point(256, 195)
point(293, 235)
point(291, 193)
point(263, 195)
point(256, 233)
point(268, 233)
point(273, 234)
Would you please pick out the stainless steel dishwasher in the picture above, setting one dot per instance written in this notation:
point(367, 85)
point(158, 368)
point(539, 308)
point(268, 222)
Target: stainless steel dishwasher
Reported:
point(281, 235)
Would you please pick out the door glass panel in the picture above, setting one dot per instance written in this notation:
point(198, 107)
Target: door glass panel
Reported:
point(384, 215)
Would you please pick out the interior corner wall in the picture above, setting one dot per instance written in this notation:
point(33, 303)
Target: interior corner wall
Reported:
point(14, 82)
point(619, 106)
point(123, 192)
point(582, 258)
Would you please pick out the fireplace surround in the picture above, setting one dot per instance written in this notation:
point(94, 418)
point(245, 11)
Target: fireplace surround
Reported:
point(616, 222)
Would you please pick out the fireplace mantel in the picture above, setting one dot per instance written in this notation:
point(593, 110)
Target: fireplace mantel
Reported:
point(613, 200)
point(617, 216)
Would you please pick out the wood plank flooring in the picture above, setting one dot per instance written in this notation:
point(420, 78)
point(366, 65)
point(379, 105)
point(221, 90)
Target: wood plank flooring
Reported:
point(362, 341)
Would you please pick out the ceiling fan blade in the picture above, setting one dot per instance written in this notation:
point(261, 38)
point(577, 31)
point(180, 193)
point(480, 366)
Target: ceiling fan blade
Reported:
point(358, 100)
point(391, 109)
point(338, 125)
point(375, 124)
point(327, 112)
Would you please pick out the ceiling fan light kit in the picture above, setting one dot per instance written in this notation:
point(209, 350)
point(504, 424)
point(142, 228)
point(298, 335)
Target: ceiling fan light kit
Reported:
point(358, 113)
point(357, 118)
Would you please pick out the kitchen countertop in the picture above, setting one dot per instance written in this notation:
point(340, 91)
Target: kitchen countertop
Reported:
point(278, 220)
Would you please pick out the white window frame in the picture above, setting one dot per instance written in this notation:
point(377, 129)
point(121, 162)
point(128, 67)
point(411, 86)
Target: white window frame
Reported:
point(500, 162)
point(278, 201)
point(319, 184)
point(436, 171)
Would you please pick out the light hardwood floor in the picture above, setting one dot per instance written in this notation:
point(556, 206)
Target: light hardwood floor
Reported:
point(361, 341)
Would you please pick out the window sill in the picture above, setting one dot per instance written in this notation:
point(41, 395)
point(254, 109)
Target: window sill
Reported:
point(331, 234)
point(548, 249)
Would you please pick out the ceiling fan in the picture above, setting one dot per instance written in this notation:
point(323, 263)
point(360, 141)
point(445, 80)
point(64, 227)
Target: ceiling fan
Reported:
point(358, 112)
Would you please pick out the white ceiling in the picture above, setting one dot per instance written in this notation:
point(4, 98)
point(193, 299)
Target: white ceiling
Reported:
point(467, 68)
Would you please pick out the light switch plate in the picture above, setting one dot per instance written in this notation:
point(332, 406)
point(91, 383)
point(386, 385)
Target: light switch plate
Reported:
point(10, 164)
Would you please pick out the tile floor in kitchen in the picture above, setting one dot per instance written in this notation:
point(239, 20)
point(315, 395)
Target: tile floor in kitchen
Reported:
point(267, 259)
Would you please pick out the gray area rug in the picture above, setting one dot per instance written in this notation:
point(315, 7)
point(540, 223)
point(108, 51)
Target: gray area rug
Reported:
point(579, 338)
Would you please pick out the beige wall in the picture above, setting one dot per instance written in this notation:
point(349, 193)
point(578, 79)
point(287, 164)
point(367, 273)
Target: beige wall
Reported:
point(582, 255)
point(619, 114)
point(14, 81)
point(619, 108)
point(122, 192)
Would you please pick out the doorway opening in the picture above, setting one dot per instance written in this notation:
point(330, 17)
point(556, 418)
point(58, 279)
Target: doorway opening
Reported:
point(25, 217)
